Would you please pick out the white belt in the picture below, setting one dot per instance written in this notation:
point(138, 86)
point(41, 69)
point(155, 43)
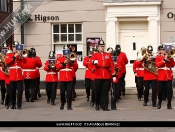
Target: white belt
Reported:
point(15, 67)
point(164, 68)
point(51, 73)
point(139, 68)
point(28, 69)
point(87, 69)
point(66, 69)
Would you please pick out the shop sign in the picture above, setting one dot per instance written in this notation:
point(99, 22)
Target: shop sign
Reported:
point(170, 15)
point(45, 18)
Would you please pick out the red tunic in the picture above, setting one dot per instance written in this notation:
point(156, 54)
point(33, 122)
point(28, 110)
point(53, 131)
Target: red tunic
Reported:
point(164, 68)
point(2, 74)
point(65, 71)
point(125, 61)
point(52, 75)
point(29, 68)
point(74, 68)
point(140, 69)
point(105, 66)
point(15, 67)
point(88, 71)
point(38, 66)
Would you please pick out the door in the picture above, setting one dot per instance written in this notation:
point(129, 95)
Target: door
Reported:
point(131, 42)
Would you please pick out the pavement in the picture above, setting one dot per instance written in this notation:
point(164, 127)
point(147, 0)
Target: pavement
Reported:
point(128, 109)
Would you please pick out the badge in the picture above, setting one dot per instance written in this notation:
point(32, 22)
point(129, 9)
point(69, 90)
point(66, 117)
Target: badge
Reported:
point(106, 57)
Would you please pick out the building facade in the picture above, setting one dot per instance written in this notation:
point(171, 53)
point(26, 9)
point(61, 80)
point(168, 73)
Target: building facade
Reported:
point(6, 8)
point(130, 23)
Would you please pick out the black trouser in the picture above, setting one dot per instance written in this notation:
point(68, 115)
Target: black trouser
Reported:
point(16, 86)
point(93, 91)
point(88, 86)
point(168, 86)
point(137, 85)
point(51, 90)
point(119, 88)
point(73, 88)
point(7, 98)
point(37, 89)
point(102, 86)
point(3, 91)
point(114, 90)
point(30, 85)
point(140, 82)
point(153, 84)
point(123, 84)
point(66, 87)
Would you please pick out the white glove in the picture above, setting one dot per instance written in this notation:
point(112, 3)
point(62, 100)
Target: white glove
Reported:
point(95, 61)
point(114, 79)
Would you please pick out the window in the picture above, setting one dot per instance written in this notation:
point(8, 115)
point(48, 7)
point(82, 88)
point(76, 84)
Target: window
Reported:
point(3, 5)
point(67, 33)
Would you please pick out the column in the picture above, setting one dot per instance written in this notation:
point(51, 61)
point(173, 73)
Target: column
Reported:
point(111, 32)
point(153, 32)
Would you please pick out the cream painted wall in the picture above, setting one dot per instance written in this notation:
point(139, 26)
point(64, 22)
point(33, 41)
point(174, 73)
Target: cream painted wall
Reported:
point(91, 13)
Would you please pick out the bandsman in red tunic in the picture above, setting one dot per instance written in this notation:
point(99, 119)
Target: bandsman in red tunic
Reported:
point(2, 74)
point(88, 73)
point(13, 60)
point(140, 72)
point(150, 77)
point(135, 68)
point(104, 68)
point(125, 61)
point(64, 66)
point(164, 64)
point(39, 65)
point(51, 78)
point(29, 75)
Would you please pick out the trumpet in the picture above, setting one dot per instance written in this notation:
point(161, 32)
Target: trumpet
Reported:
point(73, 56)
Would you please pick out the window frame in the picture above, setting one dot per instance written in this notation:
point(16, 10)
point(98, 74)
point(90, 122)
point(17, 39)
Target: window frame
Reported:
point(67, 41)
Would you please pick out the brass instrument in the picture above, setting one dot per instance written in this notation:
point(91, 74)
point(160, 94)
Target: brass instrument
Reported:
point(73, 56)
point(5, 68)
point(52, 63)
point(142, 54)
point(171, 53)
point(151, 67)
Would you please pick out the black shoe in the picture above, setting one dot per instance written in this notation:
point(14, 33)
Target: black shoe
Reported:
point(97, 108)
point(92, 104)
point(139, 98)
point(153, 105)
point(48, 101)
point(144, 103)
point(27, 100)
point(61, 107)
point(123, 94)
point(73, 99)
point(7, 106)
point(75, 95)
point(87, 99)
point(36, 98)
point(114, 108)
point(13, 107)
point(70, 108)
point(2, 101)
point(119, 97)
point(31, 100)
point(52, 103)
point(158, 106)
point(20, 108)
point(39, 95)
point(169, 107)
point(106, 109)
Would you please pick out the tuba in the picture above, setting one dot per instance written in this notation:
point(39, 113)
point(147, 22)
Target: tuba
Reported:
point(5, 68)
point(72, 56)
point(150, 65)
point(142, 54)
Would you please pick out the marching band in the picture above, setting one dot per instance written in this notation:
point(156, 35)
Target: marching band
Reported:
point(104, 73)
